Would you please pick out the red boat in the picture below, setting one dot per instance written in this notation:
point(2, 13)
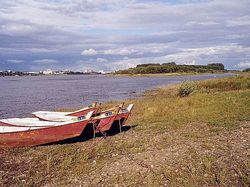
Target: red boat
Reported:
point(22, 132)
point(103, 120)
point(121, 116)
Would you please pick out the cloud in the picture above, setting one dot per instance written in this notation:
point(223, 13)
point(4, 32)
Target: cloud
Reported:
point(89, 52)
point(243, 65)
point(45, 61)
point(101, 60)
point(122, 51)
point(16, 29)
point(15, 61)
point(190, 63)
point(143, 31)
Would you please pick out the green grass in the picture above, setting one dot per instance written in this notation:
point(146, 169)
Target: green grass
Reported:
point(198, 140)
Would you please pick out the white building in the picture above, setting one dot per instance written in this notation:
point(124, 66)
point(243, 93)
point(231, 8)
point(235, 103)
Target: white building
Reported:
point(101, 72)
point(48, 72)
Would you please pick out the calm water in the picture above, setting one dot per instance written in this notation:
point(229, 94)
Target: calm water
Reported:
point(19, 96)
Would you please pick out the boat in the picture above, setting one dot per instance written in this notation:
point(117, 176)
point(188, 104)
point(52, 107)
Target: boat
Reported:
point(20, 132)
point(121, 117)
point(103, 120)
point(64, 116)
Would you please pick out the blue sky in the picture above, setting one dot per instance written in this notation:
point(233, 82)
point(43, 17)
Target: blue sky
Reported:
point(117, 34)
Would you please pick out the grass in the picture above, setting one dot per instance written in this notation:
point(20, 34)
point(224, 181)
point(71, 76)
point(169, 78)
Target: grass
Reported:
point(198, 140)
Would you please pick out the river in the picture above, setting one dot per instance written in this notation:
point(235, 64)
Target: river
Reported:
point(20, 96)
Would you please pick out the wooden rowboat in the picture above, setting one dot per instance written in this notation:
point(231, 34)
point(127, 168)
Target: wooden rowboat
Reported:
point(103, 120)
point(22, 132)
point(62, 116)
point(121, 117)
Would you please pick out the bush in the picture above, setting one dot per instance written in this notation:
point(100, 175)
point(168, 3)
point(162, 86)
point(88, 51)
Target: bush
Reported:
point(246, 70)
point(216, 66)
point(186, 88)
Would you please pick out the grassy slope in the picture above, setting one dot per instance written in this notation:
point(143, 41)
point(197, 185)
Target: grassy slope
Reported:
point(199, 140)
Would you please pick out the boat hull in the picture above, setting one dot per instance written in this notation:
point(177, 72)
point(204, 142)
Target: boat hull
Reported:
point(104, 124)
point(123, 116)
point(107, 123)
point(42, 136)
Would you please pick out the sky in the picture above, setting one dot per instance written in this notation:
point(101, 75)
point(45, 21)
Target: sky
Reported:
point(117, 34)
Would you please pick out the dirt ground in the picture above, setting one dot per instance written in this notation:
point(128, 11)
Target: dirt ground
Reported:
point(193, 155)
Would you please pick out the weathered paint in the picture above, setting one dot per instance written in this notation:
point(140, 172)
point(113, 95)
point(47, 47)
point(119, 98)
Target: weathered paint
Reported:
point(105, 123)
point(42, 136)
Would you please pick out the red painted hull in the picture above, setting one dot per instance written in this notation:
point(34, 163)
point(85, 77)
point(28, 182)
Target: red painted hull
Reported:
point(105, 124)
point(124, 116)
point(42, 136)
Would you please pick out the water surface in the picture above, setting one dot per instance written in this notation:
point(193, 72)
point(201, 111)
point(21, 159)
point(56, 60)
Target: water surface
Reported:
point(20, 96)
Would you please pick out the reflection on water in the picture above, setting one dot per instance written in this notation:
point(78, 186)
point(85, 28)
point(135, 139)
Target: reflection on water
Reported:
point(19, 96)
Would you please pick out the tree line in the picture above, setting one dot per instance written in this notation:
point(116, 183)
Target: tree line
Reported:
point(172, 67)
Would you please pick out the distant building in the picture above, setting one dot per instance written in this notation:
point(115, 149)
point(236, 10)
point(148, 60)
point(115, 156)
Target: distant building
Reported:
point(88, 71)
point(48, 72)
point(59, 72)
point(102, 72)
point(31, 73)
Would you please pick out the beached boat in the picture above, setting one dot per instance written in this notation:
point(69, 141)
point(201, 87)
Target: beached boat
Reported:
point(103, 120)
point(64, 116)
point(20, 132)
point(120, 118)
point(123, 115)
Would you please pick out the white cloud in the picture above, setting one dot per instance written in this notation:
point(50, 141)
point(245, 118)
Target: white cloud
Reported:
point(190, 63)
point(122, 51)
point(125, 63)
point(89, 52)
point(16, 29)
point(41, 50)
point(206, 54)
point(45, 61)
point(15, 61)
point(239, 21)
point(101, 60)
point(243, 65)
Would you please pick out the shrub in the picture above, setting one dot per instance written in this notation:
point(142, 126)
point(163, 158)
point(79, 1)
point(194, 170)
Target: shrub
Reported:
point(246, 70)
point(216, 66)
point(186, 88)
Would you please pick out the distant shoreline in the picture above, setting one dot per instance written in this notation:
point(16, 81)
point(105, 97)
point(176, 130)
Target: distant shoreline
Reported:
point(127, 75)
point(50, 75)
point(170, 74)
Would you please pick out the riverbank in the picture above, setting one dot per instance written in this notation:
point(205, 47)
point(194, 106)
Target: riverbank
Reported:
point(171, 74)
point(201, 139)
